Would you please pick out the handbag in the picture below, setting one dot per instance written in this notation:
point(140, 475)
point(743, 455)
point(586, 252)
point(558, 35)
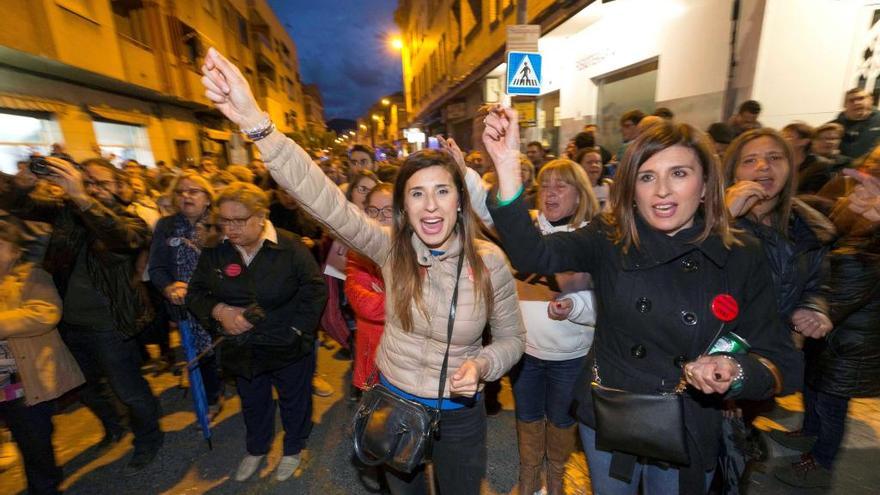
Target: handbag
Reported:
point(642, 425)
point(398, 432)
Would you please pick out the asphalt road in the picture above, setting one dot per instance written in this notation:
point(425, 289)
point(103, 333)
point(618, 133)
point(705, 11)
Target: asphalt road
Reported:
point(186, 466)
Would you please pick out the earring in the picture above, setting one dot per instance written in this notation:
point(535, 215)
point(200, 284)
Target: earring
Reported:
point(459, 209)
point(635, 205)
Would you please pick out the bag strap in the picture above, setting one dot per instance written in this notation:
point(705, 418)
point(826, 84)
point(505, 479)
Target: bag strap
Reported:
point(449, 325)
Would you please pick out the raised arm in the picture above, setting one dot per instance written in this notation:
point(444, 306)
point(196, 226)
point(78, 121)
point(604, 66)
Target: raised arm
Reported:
point(290, 165)
point(527, 249)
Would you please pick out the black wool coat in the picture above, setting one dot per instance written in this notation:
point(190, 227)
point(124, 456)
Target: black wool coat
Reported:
point(653, 313)
point(284, 279)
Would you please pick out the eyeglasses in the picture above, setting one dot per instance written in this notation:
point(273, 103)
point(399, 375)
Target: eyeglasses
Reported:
point(233, 222)
point(374, 212)
point(362, 189)
point(190, 192)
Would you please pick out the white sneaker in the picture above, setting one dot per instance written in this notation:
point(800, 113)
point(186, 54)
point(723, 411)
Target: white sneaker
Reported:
point(287, 467)
point(247, 467)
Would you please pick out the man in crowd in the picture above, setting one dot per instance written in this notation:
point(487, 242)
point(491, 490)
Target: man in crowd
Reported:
point(860, 121)
point(91, 256)
point(746, 118)
point(628, 130)
point(535, 151)
point(361, 157)
point(207, 165)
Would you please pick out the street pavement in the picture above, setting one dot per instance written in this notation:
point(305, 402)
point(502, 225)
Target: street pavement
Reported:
point(186, 466)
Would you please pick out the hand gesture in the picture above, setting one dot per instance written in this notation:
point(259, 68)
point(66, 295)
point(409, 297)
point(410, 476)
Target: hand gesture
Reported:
point(229, 90)
point(232, 320)
point(451, 147)
point(711, 374)
point(865, 198)
point(466, 379)
point(742, 196)
point(68, 177)
point(809, 323)
point(501, 139)
point(559, 309)
point(176, 292)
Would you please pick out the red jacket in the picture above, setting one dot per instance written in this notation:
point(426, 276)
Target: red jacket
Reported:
point(365, 291)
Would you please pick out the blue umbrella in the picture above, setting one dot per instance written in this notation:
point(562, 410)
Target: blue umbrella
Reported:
point(200, 398)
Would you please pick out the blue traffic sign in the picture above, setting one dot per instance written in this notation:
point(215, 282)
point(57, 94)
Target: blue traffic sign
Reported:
point(523, 73)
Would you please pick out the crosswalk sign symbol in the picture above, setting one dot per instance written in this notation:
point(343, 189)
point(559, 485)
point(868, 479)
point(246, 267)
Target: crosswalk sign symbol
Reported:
point(523, 73)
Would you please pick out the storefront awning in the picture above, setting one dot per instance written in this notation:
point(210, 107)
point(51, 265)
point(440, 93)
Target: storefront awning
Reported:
point(29, 103)
point(122, 116)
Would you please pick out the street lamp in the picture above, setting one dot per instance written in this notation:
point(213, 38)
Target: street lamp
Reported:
point(397, 43)
point(385, 102)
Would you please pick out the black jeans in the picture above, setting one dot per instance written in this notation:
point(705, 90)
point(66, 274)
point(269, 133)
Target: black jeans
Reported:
point(459, 456)
point(113, 356)
point(31, 428)
point(825, 417)
point(294, 385)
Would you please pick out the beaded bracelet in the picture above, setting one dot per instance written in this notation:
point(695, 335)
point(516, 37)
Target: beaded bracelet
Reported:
point(736, 381)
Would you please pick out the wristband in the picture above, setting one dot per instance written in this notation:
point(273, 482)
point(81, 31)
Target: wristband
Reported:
point(737, 380)
point(505, 202)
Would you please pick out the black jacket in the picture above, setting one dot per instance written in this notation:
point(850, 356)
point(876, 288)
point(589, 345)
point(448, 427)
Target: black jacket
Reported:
point(859, 136)
point(847, 361)
point(284, 280)
point(112, 238)
point(797, 262)
point(653, 314)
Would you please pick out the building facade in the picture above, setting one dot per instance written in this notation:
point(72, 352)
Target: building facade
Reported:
point(123, 77)
point(314, 107)
point(700, 58)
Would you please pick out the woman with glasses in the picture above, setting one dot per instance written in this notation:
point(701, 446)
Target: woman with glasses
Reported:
point(365, 290)
point(177, 243)
point(433, 233)
point(260, 288)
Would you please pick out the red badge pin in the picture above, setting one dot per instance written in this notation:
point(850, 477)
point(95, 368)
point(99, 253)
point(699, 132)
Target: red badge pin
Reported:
point(725, 307)
point(234, 270)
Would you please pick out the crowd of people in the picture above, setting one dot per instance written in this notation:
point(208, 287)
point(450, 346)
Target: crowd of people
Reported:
point(623, 265)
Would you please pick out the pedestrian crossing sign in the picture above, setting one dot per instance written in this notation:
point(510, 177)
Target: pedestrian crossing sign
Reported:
point(523, 73)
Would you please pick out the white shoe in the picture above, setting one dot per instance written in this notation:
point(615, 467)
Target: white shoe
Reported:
point(287, 467)
point(247, 467)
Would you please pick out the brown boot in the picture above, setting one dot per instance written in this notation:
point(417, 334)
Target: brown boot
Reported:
point(530, 437)
point(560, 445)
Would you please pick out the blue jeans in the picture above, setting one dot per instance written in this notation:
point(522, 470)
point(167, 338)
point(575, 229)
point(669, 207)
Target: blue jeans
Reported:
point(654, 479)
point(544, 388)
point(825, 417)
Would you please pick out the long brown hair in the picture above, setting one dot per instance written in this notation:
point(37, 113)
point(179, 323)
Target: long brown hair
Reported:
point(407, 291)
point(782, 211)
point(573, 174)
point(656, 138)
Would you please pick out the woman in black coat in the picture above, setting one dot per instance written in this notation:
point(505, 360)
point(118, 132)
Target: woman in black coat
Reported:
point(261, 288)
point(657, 261)
point(846, 363)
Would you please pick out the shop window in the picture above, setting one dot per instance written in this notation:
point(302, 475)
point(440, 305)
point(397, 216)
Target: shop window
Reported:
point(627, 89)
point(22, 134)
point(130, 18)
point(127, 142)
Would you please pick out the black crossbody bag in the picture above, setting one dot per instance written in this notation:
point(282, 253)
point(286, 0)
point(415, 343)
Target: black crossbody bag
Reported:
point(398, 432)
point(642, 425)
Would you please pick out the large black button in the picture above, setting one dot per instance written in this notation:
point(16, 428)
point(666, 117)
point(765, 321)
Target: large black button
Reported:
point(638, 351)
point(643, 304)
point(679, 362)
point(689, 265)
point(689, 318)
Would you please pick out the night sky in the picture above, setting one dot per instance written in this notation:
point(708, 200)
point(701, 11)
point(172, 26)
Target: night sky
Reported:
point(343, 47)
